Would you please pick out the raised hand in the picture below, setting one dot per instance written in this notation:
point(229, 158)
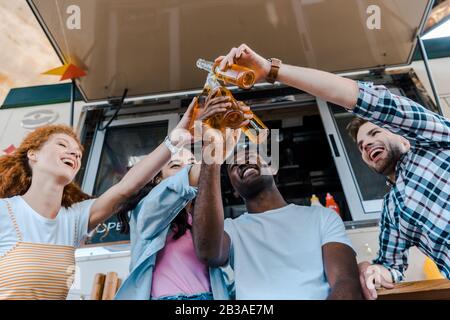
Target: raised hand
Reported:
point(220, 143)
point(245, 56)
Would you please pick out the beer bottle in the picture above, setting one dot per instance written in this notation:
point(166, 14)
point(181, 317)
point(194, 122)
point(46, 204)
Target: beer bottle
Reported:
point(255, 130)
point(237, 75)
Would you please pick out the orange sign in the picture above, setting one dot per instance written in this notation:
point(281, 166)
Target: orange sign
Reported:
point(67, 71)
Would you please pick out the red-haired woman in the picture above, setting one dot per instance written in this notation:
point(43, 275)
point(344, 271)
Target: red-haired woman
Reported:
point(44, 215)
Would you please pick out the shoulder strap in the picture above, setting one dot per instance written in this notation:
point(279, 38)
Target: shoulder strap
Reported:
point(76, 239)
point(14, 221)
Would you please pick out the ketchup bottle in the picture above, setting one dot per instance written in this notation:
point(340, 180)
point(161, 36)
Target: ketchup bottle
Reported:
point(331, 204)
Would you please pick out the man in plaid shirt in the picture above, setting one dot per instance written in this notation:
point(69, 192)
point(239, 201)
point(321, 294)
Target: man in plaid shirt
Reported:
point(398, 138)
point(410, 145)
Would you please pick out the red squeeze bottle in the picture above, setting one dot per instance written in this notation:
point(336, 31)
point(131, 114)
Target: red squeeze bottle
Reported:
point(331, 204)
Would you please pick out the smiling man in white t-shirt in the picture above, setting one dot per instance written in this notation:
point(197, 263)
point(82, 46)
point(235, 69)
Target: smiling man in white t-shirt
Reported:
point(277, 250)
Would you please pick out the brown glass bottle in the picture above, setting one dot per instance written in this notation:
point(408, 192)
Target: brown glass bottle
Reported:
point(255, 130)
point(235, 74)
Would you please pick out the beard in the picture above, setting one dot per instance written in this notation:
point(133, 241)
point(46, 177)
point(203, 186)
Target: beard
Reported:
point(251, 189)
point(387, 165)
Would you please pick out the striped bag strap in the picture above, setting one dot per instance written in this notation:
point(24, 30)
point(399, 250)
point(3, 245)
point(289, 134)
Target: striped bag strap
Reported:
point(76, 240)
point(14, 221)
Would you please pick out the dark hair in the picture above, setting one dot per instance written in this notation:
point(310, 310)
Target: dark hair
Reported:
point(179, 225)
point(353, 127)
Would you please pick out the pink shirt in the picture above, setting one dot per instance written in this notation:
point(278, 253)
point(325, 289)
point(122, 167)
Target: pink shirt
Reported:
point(178, 270)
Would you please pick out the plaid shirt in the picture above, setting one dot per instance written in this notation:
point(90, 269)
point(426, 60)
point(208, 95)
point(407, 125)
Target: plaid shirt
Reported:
point(416, 211)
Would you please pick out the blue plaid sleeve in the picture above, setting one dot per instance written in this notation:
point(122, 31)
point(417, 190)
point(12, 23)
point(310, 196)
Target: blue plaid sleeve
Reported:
point(393, 252)
point(402, 116)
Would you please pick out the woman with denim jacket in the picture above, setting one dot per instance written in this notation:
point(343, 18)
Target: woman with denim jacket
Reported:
point(164, 265)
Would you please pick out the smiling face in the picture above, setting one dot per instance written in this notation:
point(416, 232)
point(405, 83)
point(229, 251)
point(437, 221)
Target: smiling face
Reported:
point(176, 163)
point(59, 156)
point(250, 174)
point(380, 148)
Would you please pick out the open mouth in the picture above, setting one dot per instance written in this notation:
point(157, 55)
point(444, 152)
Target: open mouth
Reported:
point(69, 162)
point(376, 153)
point(249, 170)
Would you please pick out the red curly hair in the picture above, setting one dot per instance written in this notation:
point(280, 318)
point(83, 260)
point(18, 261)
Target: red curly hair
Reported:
point(15, 171)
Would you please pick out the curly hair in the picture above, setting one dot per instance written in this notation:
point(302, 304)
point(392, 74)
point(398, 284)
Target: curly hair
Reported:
point(16, 173)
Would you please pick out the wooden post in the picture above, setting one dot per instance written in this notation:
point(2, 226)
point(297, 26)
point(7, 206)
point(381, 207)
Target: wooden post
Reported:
point(97, 287)
point(111, 286)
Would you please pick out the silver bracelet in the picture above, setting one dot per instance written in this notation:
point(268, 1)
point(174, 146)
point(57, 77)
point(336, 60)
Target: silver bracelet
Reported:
point(172, 148)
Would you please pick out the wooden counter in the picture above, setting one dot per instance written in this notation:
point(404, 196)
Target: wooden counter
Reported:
point(417, 290)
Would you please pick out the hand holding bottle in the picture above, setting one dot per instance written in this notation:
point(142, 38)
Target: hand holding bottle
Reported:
point(181, 134)
point(234, 117)
point(234, 74)
point(219, 142)
point(218, 105)
point(245, 56)
point(184, 133)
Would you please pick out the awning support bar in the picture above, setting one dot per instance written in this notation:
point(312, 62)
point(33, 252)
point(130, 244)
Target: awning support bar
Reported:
point(430, 77)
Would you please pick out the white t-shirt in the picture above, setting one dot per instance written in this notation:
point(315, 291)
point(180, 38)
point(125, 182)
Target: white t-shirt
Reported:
point(277, 254)
point(69, 228)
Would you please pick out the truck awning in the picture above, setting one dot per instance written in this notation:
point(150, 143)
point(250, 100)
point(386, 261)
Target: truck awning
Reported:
point(150, 47)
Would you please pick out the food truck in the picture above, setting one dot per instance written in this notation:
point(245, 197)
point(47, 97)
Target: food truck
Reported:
point(140, 57)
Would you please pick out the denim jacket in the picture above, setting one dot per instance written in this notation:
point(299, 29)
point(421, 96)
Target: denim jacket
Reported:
point(149, 225)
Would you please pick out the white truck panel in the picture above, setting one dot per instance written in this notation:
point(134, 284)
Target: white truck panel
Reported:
point(16, 123)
